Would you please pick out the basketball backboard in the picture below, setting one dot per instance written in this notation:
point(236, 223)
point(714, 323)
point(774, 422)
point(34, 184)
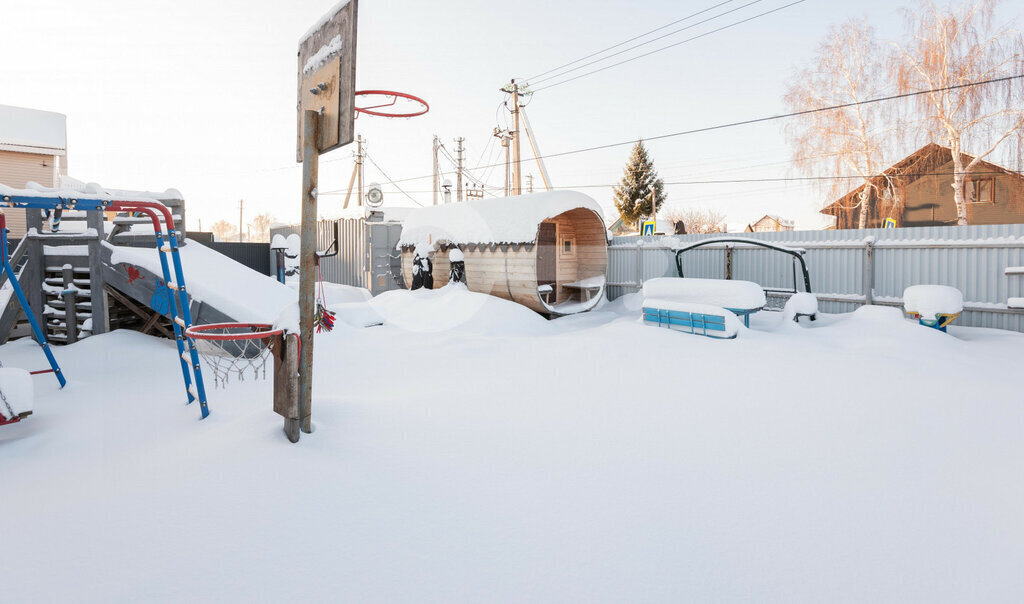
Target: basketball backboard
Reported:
point(327, 77)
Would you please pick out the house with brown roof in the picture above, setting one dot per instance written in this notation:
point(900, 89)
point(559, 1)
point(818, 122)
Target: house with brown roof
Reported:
point(769, 223)
point(918, 191)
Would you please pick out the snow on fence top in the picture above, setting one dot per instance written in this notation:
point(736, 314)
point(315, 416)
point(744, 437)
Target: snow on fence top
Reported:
point(74, 189)
point(932, 300)
point(486, 221)
point(741, 295)
point(37, 130)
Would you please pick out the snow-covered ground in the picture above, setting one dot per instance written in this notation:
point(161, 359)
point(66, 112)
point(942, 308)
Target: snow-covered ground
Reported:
point(470, 451)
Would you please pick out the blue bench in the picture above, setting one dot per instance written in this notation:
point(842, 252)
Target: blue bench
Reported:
point(702, 324)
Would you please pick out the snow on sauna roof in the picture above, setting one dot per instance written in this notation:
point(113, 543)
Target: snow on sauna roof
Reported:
point(75, 189)
point(500, 220)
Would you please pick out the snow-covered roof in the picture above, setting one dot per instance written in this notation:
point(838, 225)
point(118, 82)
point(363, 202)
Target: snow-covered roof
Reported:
point(32, 131)
point(71, 188)
point(498, 220)
point(391, 214)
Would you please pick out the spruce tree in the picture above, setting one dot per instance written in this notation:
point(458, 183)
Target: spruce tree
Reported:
point(633, 196)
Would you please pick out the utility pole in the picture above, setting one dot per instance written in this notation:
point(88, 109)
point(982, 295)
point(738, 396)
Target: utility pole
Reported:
point(437, 184)
point(241, 202)
point(458, 171)
point(517, 177)
point(504, 136)
point(359, 168)
point(517, 174)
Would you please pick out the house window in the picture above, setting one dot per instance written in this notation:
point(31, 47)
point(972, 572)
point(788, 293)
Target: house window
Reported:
point(982, 190)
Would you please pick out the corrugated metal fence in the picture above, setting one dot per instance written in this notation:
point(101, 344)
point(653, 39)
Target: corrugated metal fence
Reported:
point(254, 255)
point(366, 253)
point(849, 268)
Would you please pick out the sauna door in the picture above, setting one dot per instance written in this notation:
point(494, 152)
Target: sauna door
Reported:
point(547, 254)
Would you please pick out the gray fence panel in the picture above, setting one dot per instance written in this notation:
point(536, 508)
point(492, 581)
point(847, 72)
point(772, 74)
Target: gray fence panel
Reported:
point(971, 258)
point(254, 255)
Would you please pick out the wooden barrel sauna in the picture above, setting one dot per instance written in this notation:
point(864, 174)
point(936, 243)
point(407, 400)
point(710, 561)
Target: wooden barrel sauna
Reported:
point(546, 251)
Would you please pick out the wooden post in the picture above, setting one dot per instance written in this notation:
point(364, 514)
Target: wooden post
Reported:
point(98, 299)
point(70, 312)
point(286, 382)
point(728, 261)
point(869, 271)
point(35, 271)
point(307, 270)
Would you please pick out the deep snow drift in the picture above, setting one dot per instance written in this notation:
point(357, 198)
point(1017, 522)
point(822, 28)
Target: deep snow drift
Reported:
point(861, 457)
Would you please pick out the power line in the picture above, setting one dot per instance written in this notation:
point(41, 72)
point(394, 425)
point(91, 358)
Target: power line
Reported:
point(657, 50)
point(651, 41)
point(783, 179)
point(761, 120)
point(630, 40)
point(384, 174)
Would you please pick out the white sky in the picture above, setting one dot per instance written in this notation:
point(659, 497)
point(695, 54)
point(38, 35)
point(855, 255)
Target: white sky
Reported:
point(200, 96)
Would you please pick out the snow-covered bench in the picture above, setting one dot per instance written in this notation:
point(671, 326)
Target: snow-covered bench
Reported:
point(17, 394)
point(933, 305)
point(741, 298)
point(689, 317)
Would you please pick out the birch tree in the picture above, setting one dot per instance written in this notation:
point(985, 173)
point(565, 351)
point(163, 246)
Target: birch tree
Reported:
point(224, 230)
point(850, 66)
point(260, 227)
point(955, 47)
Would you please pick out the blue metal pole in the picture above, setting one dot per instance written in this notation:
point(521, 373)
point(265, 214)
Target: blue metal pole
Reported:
point(186, 313)
point(40, 338)
point(179, 332)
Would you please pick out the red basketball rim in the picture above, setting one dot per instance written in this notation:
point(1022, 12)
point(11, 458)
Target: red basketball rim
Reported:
point(203, 332)
point(374, 109)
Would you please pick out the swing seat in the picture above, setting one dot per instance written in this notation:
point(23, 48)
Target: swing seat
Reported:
point(16, 395)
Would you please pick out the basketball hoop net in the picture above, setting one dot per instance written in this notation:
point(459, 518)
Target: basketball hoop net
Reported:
point(234, 349)
point(388, 103)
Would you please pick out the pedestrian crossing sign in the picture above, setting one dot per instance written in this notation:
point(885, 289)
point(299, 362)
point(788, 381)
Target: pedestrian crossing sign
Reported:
point(890, 223)
point(647, 228)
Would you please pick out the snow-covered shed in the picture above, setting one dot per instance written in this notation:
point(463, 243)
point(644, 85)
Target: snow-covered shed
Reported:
point(547, 251)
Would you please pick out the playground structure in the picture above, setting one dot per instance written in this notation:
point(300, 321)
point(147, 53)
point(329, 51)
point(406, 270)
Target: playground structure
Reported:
point(169, 294)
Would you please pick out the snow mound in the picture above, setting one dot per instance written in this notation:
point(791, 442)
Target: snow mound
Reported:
point(502, 220)
point(932, 300)
point(16, 385)
point(802, 303)
point(628, 304)
point(347, 301)
point(336, 293)
point(716, 292)
point(454, 308)
point(356, 314)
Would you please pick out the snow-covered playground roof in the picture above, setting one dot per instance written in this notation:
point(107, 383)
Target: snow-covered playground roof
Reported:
point(486, 221)
point(75, 189)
